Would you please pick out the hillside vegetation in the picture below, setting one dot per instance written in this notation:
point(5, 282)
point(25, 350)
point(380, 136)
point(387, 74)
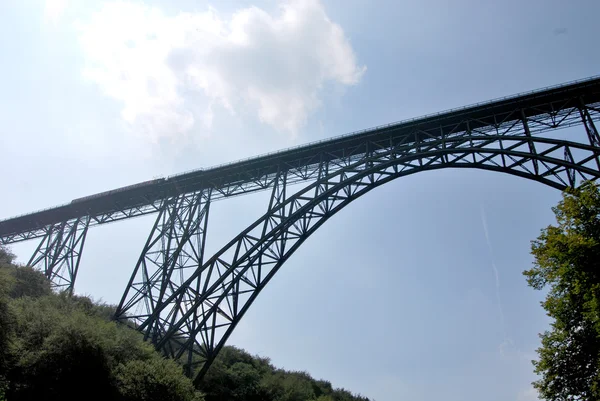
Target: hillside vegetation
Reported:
point(55, 347)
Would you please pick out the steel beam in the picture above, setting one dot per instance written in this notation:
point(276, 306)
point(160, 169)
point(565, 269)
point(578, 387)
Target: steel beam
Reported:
point(541, 111)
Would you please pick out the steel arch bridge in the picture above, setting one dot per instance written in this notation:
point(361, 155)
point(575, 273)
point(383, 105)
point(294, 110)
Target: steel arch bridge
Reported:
point(188, 303)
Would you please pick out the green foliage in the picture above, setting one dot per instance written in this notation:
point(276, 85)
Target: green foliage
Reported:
point(57, 355)
point(289, 386)
point(6, 328)
point(101, 310)
point(567, 262)
point(154, 380)
point(27, 282)
point(61, 347)
point(6, 256)
point(236, 375)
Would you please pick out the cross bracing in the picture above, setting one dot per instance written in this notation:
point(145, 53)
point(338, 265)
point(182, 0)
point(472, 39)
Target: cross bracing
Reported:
point(188, 303)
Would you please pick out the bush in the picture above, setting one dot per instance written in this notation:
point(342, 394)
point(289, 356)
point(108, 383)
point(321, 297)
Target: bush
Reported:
point(58, 347)
point(154, 380)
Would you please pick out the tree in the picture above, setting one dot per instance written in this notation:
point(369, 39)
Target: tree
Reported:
point(6, 256)
point(63, 346)
point(55, 346)
point(27, 282)
point(567, 263)
point(6, 328)
point(237, 375)
point(67, 347)
point(155, 380)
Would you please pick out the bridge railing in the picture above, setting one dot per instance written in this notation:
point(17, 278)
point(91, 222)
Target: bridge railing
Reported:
point(392, 124)
point(356, 133)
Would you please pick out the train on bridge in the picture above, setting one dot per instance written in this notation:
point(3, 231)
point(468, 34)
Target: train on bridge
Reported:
point(171, 184)
point(122, 189)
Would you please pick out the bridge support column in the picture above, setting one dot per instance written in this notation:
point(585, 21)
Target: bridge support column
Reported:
point(173, 250)
point(532, 150)
point(590, 128)
point(59, 253)
point(589, 125)
point(204, 329)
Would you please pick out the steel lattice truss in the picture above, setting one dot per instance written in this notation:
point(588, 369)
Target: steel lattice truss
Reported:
point(188, 304)
point(175, 244)
point(58, 253)
point(195, 320)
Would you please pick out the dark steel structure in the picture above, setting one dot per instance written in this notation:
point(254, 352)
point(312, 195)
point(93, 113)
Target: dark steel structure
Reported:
point(188, 304)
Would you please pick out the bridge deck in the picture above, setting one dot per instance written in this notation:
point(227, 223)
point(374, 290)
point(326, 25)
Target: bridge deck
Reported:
point(145, 197)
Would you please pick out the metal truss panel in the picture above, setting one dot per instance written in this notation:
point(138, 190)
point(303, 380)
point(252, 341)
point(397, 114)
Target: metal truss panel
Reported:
point(59, 253)
point(235, 275)
point(559, 107)
point(188, 305)
point(173, 250)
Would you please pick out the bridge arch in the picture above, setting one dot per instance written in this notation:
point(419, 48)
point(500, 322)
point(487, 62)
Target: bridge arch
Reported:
point(197, 318)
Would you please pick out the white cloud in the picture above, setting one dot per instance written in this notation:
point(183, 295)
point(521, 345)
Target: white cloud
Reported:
point(53, 10)
point(171, 72)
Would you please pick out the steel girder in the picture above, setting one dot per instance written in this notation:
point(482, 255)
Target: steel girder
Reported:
point(59, 253)
point(543, 110)
point(223, 288)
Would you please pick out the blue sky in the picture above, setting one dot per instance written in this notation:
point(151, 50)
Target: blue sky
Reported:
point(396, 297)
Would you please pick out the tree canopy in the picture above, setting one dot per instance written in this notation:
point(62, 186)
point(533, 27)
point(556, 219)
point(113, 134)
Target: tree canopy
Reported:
point(567, 258)
point(237, 376)
point(55, 346)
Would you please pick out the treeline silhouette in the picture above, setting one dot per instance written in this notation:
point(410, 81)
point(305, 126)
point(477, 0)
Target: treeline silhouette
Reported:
point(56, 347)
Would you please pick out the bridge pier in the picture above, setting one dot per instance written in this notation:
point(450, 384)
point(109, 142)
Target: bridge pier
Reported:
point(175, 247)
point(205, 329)
point(59, 253)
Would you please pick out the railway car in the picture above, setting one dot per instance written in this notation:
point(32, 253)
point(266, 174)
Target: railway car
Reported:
point(118, 190)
